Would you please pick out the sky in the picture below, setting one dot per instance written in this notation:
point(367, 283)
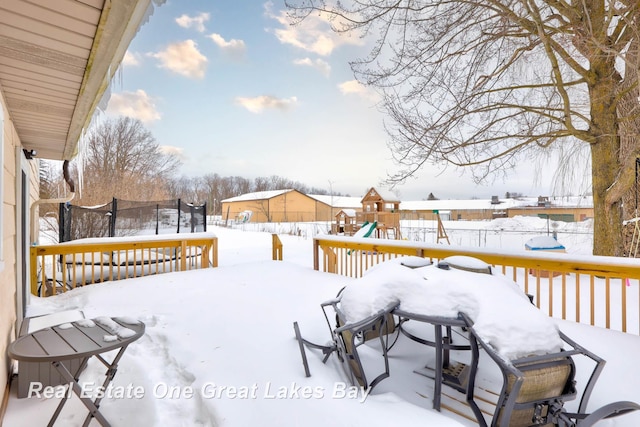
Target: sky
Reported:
point(212, 333)
point(232, 88)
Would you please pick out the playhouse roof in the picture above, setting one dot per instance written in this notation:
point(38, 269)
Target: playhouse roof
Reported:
point(347, 212)
point(372, 193)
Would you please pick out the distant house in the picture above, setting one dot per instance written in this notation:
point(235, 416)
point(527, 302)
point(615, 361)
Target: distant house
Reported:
point(275, 206)
point(567, 210)
point(328, 205)
point(559, 209)
point(387, 210)
point(339, 202)
point(287, 206)
point(455, 210)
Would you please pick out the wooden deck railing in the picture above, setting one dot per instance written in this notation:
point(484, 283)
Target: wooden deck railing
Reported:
point(62, 267)
point(601, 291)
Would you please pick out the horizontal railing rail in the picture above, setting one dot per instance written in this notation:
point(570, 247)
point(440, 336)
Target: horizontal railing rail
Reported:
point(62, 267)
point(601, 291)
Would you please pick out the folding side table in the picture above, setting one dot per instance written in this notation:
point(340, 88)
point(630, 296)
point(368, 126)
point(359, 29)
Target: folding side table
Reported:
point(82, 340)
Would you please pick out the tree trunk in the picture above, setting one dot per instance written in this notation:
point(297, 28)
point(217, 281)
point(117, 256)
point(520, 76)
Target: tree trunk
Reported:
point(630, 143)
point(607, 225)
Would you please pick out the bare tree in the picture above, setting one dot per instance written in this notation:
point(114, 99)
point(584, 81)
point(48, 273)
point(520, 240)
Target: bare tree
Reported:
point(490, 83)
point(123, 160)
point(261, 183)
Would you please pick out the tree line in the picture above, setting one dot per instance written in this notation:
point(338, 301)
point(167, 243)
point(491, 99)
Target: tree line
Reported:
point(121, 159)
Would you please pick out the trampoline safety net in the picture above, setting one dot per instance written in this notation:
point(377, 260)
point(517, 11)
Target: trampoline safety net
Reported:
point(130, 218)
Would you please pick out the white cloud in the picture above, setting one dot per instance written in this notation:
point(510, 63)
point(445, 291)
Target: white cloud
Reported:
point(137, 105)
point(318, 64)
point(183, 58)
point(196, 22)
point(266, 102)
point(354, 87)
point(233, 48)
point(131, 59)
point(314, 34)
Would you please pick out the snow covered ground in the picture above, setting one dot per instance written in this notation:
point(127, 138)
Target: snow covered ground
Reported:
point(219, 350)
point(501, 233)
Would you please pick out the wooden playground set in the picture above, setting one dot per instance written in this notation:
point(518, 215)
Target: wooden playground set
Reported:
point(380, 218)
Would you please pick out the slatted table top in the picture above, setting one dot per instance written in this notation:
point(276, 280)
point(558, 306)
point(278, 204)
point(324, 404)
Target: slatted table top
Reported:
point(72, 340)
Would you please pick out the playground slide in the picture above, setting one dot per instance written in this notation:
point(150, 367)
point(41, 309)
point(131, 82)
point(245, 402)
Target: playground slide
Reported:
point(366, 230)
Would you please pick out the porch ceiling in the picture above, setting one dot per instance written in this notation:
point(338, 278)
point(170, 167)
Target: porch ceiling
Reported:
point(57, 58)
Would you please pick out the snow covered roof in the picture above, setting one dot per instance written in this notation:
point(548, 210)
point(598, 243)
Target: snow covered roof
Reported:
point(338, 201)
point(427, 205)
point(348, 212)
point(343, 202)
point(384, 195)
point(479, 204)
point(258, 195)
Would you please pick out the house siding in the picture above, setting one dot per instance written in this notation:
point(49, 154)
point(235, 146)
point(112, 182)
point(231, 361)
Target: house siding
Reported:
point(290, 206)
point(8, 268)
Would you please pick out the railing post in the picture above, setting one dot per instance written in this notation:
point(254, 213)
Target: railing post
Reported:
point(214, 247)
point(331, 260)
point(316, 255)
point(33, 264)
point(183, 255)
point(276, 248)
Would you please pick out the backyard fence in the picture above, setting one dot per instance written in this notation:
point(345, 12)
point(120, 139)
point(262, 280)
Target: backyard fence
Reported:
point(120, 218)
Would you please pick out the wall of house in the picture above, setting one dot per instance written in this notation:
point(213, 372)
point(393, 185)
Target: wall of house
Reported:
point(556, 214)
point(292, 206)
point(8, 281)
point(259, 209)
point(324, 212)
point(450, 215)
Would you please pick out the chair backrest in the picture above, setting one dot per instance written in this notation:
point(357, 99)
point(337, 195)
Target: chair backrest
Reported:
point(349, 336)
point(350, 339)
point(533, 389)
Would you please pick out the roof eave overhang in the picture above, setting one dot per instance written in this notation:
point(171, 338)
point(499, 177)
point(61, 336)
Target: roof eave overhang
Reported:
point(119, 23)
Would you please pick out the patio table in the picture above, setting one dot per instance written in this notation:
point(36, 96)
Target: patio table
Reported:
point(453, 374)
point(82, 340)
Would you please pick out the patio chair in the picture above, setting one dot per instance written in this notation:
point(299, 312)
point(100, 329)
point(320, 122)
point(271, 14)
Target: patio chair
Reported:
point(535, 388)
point(346, 338)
